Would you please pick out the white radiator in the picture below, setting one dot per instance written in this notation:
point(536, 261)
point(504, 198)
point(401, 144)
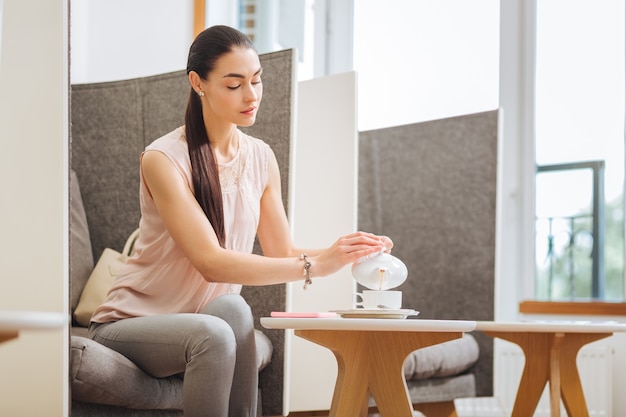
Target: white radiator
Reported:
point(594, 366)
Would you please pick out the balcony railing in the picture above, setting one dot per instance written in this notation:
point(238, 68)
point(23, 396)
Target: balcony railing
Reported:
point(580, 228)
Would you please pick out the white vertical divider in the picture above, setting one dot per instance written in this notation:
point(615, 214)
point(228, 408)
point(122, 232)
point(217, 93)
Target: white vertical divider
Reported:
point(324, 194)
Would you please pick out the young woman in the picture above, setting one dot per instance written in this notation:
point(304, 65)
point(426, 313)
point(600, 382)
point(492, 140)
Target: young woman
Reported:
point(207, 189)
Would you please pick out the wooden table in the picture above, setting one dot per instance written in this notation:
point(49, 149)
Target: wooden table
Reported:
point(370, 354)
point(12, 322)
point(550, 349)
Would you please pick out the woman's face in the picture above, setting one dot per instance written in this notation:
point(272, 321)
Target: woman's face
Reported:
point(233, 90)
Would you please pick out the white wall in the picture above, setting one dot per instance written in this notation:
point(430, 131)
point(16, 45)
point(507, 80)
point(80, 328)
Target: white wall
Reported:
point(33, 209)
point(424, 60)
point(119, 39)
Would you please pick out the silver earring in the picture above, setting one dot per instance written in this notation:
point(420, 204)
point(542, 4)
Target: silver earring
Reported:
point(200, 93)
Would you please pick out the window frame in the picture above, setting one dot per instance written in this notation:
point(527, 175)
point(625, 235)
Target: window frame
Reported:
point(522, 38)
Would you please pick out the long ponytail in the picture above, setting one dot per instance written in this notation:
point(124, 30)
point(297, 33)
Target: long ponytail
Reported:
point(205, 50)
point(204, 170)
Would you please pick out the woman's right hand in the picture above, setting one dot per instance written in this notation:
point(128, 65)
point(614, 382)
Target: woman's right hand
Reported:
point(346, 250)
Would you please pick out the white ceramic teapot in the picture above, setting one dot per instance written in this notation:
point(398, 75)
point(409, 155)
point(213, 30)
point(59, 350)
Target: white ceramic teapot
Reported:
point(380, 271)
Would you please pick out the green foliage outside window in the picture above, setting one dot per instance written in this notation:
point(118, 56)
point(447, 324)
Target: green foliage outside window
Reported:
point(565, 271)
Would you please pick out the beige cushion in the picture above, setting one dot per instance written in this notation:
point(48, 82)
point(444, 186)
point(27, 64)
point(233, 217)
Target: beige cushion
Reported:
point(98, 285)
point(102, 279)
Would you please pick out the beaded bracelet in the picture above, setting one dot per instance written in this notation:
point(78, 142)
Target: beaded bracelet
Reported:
point(306, 271)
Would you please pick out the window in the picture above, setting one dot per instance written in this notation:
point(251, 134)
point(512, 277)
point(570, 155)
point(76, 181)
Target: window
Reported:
point(420, 61)
point(579, 133)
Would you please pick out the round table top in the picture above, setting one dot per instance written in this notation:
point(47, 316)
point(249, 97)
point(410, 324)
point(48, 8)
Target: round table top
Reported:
point(552, 326)
point(31, 320)
point(374, 324)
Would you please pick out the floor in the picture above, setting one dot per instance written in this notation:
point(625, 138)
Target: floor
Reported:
point(466, 407)
point(479, 407)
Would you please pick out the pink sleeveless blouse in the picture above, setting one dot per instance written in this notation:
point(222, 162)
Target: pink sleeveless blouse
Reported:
point(158, 278)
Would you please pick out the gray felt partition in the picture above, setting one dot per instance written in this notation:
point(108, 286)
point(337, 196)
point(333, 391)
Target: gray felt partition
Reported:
point(111, 124)
point(431, 187)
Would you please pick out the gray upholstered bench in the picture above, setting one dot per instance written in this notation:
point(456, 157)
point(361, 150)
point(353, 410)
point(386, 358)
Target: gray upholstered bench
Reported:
point(111, 124)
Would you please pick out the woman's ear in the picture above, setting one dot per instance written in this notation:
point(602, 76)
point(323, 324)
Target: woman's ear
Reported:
point(195, 81)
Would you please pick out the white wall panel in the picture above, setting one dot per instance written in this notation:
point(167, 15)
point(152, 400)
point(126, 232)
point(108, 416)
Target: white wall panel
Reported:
point(33, 203)
point(325, 208)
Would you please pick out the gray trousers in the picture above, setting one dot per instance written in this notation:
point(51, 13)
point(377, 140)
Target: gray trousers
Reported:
point(215, 350)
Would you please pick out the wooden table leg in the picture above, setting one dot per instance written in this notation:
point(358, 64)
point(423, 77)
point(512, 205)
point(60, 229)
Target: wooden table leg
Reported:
point(555, 375)
point(6, 336)
point(351, 388)
point(536, 348)
point(571, 388)
point(550, 357)
point(372, 361)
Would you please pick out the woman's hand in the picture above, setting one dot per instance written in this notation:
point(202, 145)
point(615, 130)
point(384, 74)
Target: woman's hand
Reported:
point(347, 250)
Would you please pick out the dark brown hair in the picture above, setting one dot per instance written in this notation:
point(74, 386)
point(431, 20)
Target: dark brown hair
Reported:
point(204, 52)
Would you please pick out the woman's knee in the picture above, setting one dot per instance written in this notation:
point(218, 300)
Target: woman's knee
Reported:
point(230, 302)
point(233, 308)
point(210, 335)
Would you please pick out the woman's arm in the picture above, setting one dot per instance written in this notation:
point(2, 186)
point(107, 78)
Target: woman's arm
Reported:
point(187, 224)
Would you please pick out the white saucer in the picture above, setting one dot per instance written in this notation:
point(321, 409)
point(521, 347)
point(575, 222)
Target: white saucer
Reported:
point(377, 313)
